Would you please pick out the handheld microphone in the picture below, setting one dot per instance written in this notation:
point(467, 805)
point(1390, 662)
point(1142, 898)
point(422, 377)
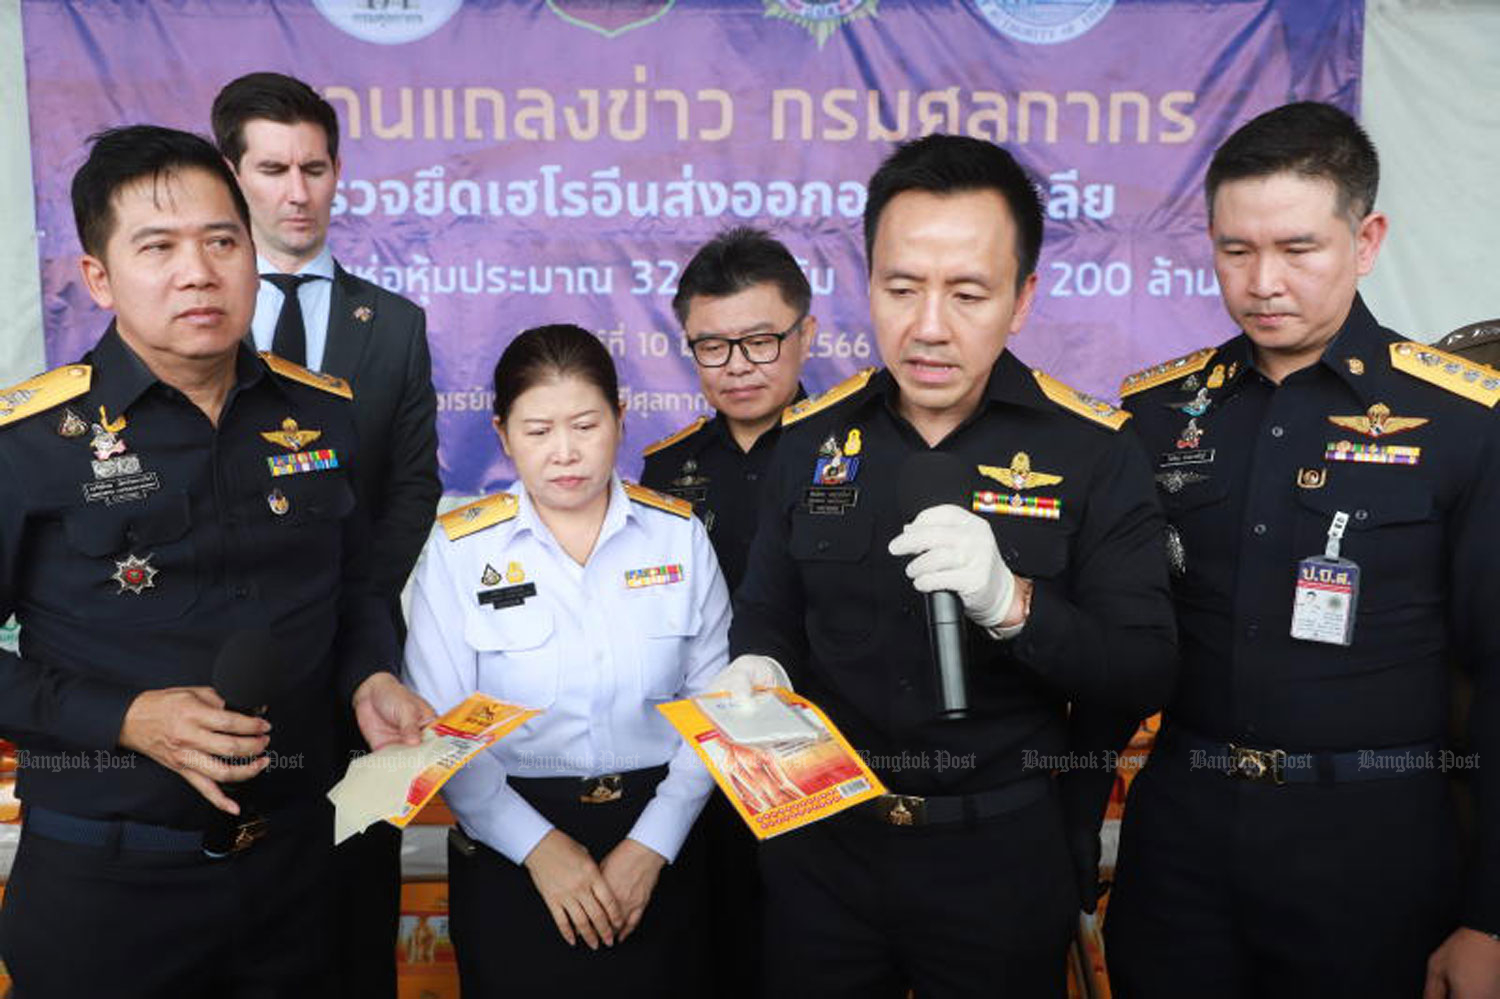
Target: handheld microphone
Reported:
point(928, 479)
point(243, 677)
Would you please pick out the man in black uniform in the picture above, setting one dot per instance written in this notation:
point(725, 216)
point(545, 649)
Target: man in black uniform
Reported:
point(282, 141)
point(960, 883)
point(1331, 491)
point(166, 493)
point(744, 307)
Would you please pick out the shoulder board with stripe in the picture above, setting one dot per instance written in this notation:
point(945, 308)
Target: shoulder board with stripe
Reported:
point(820, 402)
point(1477, 382)
point(297, 373)
point(681, 435)
point(476, 516)
point(36, 395)
point(1157, 374)
point(1084, 405)
point(650, 497)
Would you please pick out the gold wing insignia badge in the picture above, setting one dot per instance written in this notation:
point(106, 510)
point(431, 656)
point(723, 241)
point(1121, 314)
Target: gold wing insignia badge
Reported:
point(1378, 422)
point(1019, 475)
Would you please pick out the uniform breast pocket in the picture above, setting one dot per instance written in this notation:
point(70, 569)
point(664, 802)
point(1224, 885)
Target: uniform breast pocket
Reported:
point(518, 660)
point(1035, 551)
point(1394, 534)
point(668, 620)
point(838, 572)
point(134, 562)
point(298, 530)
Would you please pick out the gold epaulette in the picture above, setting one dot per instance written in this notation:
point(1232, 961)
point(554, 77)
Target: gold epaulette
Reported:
point(1447, 371)
point(820, 402)
point(297, 373)
point(476, 516)
point(1084, 405)
point(650, 497)
point(681, 435)
point(1178, 367)
point(36, 395)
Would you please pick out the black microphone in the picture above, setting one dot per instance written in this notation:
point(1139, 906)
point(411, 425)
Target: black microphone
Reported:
point(928, 479)
point(243, 676)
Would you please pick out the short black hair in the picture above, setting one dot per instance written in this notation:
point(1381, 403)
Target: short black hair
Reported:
point(1310, 139)
point(120, 156)
point(738, 259)
point(543, 353)
point(956, 164)
point(276, 97)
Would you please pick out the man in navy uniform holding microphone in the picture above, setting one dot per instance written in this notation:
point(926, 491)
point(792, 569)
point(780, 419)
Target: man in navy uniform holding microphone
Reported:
point(1044, 528)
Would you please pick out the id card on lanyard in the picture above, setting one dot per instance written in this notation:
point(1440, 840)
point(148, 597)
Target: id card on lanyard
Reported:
point(1327, 592)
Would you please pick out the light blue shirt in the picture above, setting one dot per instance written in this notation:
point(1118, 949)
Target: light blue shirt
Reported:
point(595, 653)
point(316, 297)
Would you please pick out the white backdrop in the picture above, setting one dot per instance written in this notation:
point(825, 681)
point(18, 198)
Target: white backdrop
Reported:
point(1431, 78)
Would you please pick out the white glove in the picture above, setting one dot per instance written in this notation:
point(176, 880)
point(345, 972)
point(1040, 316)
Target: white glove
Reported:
point(746, 674)
point(955, 550)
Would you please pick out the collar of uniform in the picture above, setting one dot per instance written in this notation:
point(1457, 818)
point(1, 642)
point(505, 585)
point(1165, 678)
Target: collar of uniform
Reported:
point(121, 377)
point(1239, 354)
point(320, 266)
point(1359, 338)
point(720, 433)
point(1010, 382)
point(620, 511)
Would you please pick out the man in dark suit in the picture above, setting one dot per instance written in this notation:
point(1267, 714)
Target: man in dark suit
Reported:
point(281, 139)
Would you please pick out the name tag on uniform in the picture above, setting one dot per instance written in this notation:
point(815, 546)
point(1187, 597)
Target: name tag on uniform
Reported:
point(830, 500)
point(506, 596)
point(1327, 593)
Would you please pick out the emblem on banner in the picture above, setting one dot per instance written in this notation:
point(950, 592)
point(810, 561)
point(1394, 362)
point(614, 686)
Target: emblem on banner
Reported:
point(609, 19)
point(387, 23)
point(821, 19)
point(1043, 22)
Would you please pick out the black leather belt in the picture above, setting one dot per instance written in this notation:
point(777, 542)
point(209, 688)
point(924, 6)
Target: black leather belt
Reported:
point(1281, 766)
point(127, 835)
point(917, 810)
point(603, 789)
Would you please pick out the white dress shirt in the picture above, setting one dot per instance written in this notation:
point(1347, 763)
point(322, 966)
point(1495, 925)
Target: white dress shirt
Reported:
point(596, 654)
point(316, 298)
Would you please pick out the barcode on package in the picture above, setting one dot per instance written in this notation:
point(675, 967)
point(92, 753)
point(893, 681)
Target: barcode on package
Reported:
point(850, 788)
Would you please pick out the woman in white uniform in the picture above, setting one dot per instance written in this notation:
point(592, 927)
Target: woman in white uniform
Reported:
point(572, 870)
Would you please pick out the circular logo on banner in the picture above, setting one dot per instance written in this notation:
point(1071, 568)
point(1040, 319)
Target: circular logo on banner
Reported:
point(1043, 22)
point(388, 22)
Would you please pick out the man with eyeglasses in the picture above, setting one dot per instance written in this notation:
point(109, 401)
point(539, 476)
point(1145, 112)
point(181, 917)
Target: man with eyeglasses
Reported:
point(743, 304)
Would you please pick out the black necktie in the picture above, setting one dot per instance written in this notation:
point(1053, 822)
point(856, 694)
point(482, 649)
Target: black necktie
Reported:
point(290, 339)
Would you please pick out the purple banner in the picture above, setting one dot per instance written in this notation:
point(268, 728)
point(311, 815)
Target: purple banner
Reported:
point(507, 164)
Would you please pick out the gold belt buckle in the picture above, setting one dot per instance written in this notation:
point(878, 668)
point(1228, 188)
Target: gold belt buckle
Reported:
point(248, 833)
point(1257, 764)
point(901, 809)
point(601, 790)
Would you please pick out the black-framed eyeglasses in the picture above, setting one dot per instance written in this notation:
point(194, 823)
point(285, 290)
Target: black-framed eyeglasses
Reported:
point(758, 348)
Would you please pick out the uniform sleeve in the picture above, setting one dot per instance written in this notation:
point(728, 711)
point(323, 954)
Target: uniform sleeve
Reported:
point(366, 642)
point(46, 704)
point(413, 490)
point(1107, 634)
point(670, 814)
point(442, 667)
point(1474, 589)
point(769, 603)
